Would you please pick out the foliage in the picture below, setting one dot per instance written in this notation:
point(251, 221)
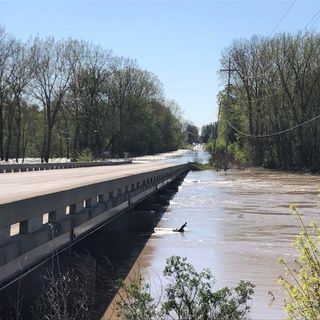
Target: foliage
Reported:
point(137, 302)
point(210, 147)
point(84, 155)
point(58, 98)
point(302, 282)
point(201, 166)
point(275, 86)
point(237, 153)
point(208, 132)
point(192, 133)
point(189, 295)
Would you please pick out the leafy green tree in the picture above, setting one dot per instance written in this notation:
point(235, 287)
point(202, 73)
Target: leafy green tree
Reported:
point(58, 98)
point(189, 295)
point(192, 133)
point(208, 132)
point(274, 87)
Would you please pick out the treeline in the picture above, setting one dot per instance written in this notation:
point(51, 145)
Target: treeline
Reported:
point(275, 85)
point(60, 97)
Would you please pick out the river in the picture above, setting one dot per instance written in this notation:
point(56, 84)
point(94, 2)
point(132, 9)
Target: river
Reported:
point(239, 224)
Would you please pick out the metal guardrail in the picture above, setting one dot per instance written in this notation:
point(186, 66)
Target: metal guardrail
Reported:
point(23, 167)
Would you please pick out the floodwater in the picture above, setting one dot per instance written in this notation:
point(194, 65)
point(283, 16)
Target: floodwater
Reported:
point(239, 224)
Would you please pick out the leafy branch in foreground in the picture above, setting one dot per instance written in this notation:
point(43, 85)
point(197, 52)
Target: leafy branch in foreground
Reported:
point(189, 295)
point(303, 286)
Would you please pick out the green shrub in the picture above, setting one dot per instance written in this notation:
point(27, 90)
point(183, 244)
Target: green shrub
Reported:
point(302, 282)
point(237, 153)
point(188, 296)
point(201, 166)
point(84, 156)
point(210, 146)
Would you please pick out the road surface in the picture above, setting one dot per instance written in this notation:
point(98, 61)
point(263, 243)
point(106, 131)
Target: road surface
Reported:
point(23, 185)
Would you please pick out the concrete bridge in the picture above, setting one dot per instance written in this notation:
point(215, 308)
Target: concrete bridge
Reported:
point(42, 212)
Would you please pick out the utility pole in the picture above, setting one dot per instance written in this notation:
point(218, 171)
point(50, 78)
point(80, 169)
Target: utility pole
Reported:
point(229, 70)
point(216, 133)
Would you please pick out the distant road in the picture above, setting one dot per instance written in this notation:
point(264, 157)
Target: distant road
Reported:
point(23, 185)
point(198, 147)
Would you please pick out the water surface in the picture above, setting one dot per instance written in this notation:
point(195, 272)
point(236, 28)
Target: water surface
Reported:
point(239, 224)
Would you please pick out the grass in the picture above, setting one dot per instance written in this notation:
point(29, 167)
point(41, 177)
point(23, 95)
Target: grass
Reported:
point(196, 166)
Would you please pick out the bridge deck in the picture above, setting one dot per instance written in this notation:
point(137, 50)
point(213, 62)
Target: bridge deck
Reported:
point(24, 185)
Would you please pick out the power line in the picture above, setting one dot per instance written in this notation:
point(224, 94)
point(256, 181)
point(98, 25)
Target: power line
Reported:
point(278, 91)
point(283, 17)
point(309, 25)
point(274, 133)
point(313, 20)
point(258, 75)
point(283, 89)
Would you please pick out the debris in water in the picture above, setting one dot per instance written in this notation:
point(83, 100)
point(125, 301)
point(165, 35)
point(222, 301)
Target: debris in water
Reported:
point(181, 229)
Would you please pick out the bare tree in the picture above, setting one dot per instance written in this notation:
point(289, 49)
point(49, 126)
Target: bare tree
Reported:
point(6, 51)
point(50, 84)
point(22, 71)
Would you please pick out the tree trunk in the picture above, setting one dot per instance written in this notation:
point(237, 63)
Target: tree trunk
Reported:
point(1, 131)
point(18, 133)
point(48, 144)
point(9, 137)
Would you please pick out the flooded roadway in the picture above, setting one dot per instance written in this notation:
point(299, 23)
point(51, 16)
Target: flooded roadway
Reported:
point(239, 224)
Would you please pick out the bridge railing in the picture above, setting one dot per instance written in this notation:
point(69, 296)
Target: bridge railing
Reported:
point(22, 167)
point(35, 227)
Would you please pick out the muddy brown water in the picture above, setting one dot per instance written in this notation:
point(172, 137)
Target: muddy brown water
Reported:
point(239, 224)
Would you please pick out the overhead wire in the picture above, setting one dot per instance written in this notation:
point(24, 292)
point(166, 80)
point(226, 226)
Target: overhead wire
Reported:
point(252, 76)
point(314, 18)
point(274, 133)
point(279, 91)
point(307, 27)
point(283, 17)
point(310, 24)
point(283, 89)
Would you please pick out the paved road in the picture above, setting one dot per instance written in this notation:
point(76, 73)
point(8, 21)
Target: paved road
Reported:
point(23, 185)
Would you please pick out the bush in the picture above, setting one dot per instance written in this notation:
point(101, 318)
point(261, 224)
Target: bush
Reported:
point(188, 296)
point(65, 296)
point(303, 286)
point(210, 147)
point(237, 152)
point(201, 166)
point(84, 156)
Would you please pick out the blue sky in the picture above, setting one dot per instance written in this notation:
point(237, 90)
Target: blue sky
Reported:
point(180, 41)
